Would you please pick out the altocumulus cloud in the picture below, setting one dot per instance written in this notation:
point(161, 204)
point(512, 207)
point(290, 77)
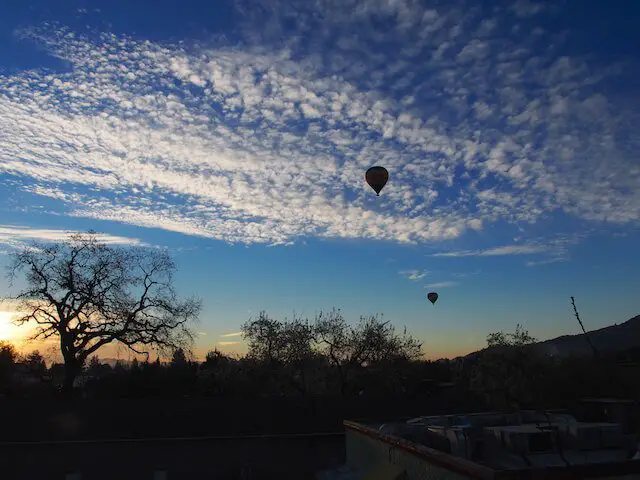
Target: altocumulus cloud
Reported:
point(478, 116)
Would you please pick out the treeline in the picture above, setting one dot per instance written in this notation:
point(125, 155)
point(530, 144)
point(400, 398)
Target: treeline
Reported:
point(331, 358)
point(328, 356)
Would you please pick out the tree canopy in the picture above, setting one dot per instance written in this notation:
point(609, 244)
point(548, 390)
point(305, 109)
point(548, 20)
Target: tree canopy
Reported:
point(508, 372)
point(295, 345)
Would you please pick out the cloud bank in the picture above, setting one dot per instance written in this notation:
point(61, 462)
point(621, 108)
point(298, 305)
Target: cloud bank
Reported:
point(479, 116)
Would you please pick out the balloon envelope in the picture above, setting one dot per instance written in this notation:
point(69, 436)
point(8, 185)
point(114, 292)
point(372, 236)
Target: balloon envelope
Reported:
point(432, 296)
point(377, 178)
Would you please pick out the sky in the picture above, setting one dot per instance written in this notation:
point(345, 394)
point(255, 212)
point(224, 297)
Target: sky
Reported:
point(237, 134)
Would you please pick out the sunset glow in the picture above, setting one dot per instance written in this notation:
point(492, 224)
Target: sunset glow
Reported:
point(8, 331)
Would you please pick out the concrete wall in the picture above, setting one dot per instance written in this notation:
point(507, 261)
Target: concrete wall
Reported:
point(364, 452)
point(274, 457)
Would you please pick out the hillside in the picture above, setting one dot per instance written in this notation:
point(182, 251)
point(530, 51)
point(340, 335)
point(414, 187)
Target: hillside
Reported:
point(611, 339)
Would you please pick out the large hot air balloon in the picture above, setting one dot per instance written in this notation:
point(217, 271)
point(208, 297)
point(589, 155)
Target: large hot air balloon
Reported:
point(432, 296)
point(377, 178)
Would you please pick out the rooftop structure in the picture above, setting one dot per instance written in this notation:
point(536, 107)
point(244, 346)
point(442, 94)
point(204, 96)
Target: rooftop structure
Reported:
point(519, 445)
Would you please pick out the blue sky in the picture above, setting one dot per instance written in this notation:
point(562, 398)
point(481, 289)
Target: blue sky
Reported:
point(237, 134)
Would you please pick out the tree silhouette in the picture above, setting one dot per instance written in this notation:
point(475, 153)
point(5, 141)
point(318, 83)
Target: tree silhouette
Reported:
point(508, 370)
point(297, 348)
point(370, 342)
point(213, 359)
point(285, 348)
point(97, 370)
point(298, 354)
point(265, 339)
point(35, 363)
point(217, 374)
point(90, 294)
point(8, 357)
point(179, 358)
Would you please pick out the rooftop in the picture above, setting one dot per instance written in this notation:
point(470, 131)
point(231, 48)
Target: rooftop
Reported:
point(499, 445)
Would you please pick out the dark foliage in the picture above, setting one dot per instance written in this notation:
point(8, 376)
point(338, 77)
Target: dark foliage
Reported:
point(224, 395)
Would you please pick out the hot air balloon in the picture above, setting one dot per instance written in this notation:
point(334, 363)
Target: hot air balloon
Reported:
point(377, 178)
point(432, 296)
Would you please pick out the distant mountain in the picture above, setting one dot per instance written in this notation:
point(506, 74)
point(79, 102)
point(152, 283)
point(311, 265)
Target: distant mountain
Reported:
point(611, 339)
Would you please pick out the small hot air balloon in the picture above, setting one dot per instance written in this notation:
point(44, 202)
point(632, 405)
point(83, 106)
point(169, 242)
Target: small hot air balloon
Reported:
point(377, 178)
point(432, 296)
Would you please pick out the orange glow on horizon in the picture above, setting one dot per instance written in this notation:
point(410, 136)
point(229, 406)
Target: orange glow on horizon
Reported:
point(437, 348)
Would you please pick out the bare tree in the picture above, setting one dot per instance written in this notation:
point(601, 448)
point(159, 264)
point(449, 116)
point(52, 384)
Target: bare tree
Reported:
point(294, 347)
point(370, 342)
point(286, 347)
point(298, 354)
point(265, 339)
point(89, 294)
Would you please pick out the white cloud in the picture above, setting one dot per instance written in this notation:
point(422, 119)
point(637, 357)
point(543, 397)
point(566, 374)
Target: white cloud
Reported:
point(226, 344)
point(497, 251)
point(552, 249)
point(466, 274)
point(414, 274)
point(16, 236)
point(267, 140)
point(234, 334)
point(546, 261)
point(446, 284)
